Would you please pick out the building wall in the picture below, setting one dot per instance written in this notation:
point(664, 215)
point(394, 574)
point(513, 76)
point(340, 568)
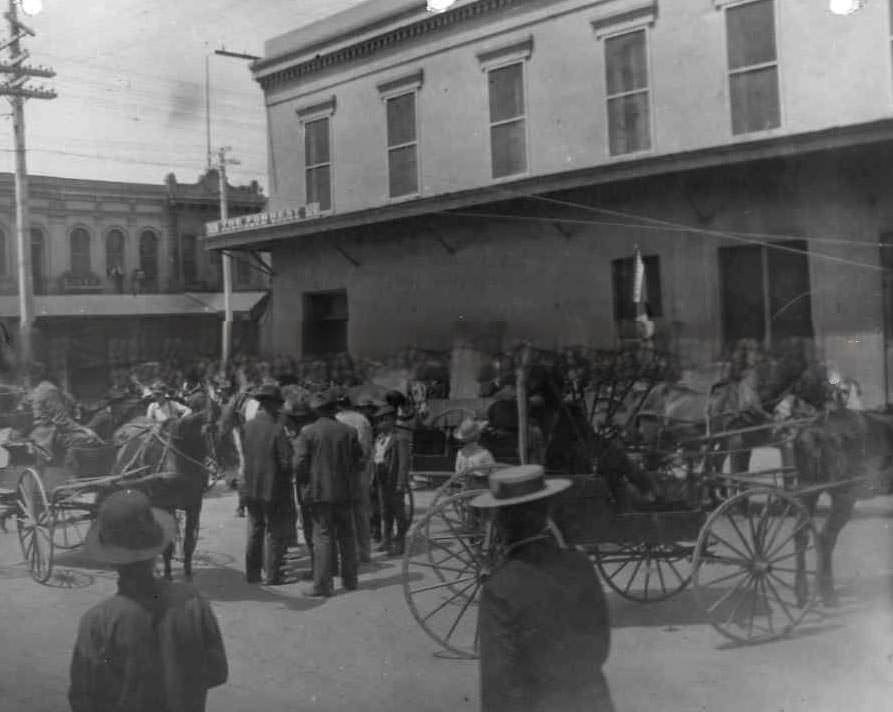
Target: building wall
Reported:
point(555, 287)
point(836, 73)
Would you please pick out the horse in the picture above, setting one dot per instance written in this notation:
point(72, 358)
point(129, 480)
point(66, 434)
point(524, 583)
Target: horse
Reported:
point(167, 463)
point(838, 446)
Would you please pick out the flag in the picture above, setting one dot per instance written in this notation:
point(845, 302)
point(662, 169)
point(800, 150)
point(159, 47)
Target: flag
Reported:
point(640, 291)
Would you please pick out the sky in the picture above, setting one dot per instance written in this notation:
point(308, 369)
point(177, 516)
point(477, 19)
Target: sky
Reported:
point(130, 76)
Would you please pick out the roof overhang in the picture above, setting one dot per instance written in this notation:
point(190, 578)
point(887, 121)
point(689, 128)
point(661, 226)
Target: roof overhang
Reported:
point(263, 236)
point(68, 306)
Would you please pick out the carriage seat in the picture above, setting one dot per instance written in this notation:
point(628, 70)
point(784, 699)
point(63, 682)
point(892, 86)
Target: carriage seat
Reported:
point(92, 461)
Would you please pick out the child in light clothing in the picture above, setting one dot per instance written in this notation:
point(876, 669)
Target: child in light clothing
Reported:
point(473, 455)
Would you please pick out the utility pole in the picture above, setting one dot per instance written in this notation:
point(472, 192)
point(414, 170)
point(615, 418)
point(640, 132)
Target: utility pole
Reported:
point(17, 92)
point(208, 106)
point(226, 261)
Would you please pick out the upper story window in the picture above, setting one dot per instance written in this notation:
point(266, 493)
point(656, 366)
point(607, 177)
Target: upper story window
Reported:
point(149, 257)
point(753, 66)
point(403, 165)
point(114, 251)
point(508, 125)
point(318, 163)
point(80, 252)
point(626, 80)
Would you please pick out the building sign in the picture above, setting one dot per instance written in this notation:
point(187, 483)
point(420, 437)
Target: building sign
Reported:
point(248, 222)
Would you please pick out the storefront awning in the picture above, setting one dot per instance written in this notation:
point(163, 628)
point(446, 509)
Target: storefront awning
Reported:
point(117, 305)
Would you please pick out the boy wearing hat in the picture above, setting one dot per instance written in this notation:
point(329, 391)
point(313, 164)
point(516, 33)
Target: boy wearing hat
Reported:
point(472, 455)
point(543, 621)
point(155, 645)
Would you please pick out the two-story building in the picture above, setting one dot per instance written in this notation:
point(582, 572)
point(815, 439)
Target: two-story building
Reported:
point(495, 165)
point(118, 273)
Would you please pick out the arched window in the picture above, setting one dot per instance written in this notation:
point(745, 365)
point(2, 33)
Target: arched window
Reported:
point(80, 252)
point(38, 261)
point(149, 256)
point(190, 259)
point(114, 251)
point(4, 266)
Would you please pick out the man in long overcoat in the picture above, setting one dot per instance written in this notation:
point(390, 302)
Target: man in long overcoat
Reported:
point(544, 629)
point(268, 488)
point(328, 458)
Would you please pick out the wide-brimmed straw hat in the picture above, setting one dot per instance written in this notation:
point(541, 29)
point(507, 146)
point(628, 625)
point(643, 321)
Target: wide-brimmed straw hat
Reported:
point(129, 529)
point(517, 485)
point(469, 429)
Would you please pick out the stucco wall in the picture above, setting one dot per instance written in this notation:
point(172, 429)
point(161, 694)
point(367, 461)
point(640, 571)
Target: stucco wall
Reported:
point(556, 289)
point(833, 71)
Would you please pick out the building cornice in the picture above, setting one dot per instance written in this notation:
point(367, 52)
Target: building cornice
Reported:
point(363, 50)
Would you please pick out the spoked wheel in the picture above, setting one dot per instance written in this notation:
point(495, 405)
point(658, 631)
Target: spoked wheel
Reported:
point(756, 565)
point(644, 572)
point(35, 525)
point(446, 558)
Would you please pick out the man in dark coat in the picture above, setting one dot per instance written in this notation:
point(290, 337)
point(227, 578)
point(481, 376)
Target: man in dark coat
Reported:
point(391, 458)
point(268, 488)
point(155, 645)
point(544, 630)
point(328, 459)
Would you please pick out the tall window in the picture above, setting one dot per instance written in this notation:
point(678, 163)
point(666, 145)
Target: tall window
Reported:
point(149, 257)
point(4, 266)
point(626, 69)
point(623, 273)
point(508, 131)
point(114, 250)
point(403, 170)
point(80, 252)
point(190, 259)
point(765, 292)
point(753, 66)
point(318, 163)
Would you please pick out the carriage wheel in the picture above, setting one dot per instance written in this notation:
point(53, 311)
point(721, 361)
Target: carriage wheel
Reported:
point(746, 565)
point(645, 572)
point(443, 570)
point(35, 525)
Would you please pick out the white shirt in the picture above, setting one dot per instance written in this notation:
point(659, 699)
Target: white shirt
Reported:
point(359, 423)
point(160, 412)
point(381, 448)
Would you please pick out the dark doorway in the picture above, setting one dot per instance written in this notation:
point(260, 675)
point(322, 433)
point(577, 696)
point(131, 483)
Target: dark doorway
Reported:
point(325, 322)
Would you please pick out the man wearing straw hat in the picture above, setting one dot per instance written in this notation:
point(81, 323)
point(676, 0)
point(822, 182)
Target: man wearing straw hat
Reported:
point(155, 645)
point(544, 629)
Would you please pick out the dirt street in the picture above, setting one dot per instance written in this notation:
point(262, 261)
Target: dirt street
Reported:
point(364, 651)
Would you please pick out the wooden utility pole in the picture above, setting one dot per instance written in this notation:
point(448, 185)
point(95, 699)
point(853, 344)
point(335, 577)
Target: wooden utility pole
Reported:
point(15, 89)
point(226, 261)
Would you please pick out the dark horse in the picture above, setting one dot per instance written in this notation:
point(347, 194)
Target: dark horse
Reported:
point(167, 463)
point(838, 447)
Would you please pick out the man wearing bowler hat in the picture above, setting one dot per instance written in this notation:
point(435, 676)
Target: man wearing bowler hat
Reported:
point(544, 629)
point(268, 488)
point(328, 458)
point(155, 645)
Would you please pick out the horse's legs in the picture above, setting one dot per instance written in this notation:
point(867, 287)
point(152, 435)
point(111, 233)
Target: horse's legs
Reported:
point(801, 539)
point(842, 503)
point(190, 538)
point(168, 554)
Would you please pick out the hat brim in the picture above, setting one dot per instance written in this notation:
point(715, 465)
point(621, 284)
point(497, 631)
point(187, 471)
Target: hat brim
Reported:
point(486, 500)
point(117, 555)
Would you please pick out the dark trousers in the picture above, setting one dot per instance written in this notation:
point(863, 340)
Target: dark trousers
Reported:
point(393, 510)
point(333, 532)
point(268, 528)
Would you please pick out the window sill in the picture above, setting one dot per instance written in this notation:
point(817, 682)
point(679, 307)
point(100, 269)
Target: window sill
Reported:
point(758, 133)
point(404, 198)
point(511, 177)
point(641, 153)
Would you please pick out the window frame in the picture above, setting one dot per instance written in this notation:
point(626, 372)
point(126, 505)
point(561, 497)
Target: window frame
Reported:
point(89, 250)
point(625, 266)
point(191, 239)
point(396, 89)
point(500, 58)
point(151, 279)
point(724, 6)
point(645, 29)
point(123, 233)
point(308, 115)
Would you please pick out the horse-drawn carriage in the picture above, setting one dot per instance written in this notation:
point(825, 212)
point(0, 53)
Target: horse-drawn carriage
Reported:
point(661, 511)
